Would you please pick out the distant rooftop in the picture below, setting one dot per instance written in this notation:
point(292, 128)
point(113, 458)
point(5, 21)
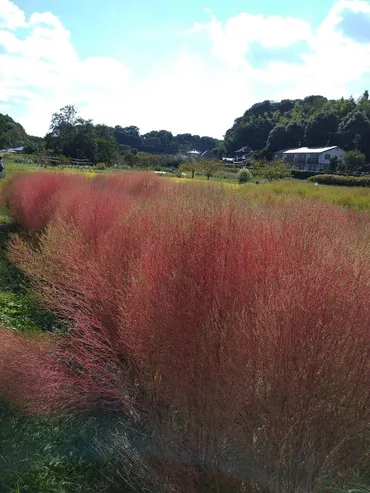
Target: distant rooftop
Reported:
point(244, 149)
point(308, 150)
point(12, 150)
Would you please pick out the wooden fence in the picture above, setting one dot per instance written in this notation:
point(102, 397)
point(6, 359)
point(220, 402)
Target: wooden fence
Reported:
point(62, 162)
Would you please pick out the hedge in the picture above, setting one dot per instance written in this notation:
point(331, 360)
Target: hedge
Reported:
point(346, 181)
point(303, 174)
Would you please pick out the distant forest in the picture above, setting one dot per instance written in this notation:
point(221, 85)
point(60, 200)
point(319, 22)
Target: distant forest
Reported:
point(266, 127)
point(72, 136)
point(314, 121)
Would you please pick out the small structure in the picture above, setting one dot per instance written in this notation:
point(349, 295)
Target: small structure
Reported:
point(311, 159)
point(12, 150)
point(209, 155)
point(194, 154)
point(243, 155)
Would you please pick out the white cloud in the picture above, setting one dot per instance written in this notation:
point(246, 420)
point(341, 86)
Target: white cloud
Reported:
point(231, 40)
point(331, 64)
point(11, 16)
point(195, 91)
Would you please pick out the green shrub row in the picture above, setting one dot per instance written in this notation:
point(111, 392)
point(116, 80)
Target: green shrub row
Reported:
point(301, 174)
point(345, 181)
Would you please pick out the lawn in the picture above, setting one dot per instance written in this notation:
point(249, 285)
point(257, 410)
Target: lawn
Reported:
point(350, 197)
point(183, 336)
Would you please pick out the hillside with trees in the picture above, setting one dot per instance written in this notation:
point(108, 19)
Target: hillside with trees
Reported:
point(75, 137)
point(314, 121)
point(11, 133)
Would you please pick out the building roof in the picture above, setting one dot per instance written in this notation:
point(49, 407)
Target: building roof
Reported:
point(209, 154)
point(194, 153)
point(308, 150)
point(244, 149)
point(12, 149)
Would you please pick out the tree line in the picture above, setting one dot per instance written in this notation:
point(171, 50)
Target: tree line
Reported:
point(314, 121)
point(74, 137)
point(266, 127)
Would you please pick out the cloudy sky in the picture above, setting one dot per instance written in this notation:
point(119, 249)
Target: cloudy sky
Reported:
point(185, 66)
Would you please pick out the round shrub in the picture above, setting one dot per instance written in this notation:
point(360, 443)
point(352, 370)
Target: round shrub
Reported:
point(244, 175)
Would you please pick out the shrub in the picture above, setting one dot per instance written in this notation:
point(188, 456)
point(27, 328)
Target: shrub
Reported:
point(274, 170)
point(101, 166)
point(233, 340)
point(346, 181)
point(244, 175)
point(354, 161)
point(31, 197)
point(303, 174)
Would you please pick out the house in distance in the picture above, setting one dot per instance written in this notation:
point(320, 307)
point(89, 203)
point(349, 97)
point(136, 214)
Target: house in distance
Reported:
point(243, 155)
point(311, 159)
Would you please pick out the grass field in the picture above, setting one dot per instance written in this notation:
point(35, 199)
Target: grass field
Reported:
point(350, 197)
point(288, 260)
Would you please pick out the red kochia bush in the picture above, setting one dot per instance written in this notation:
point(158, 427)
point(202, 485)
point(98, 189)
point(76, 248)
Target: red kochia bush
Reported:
point(240, 335)
point(30, 197)
point(34, 199)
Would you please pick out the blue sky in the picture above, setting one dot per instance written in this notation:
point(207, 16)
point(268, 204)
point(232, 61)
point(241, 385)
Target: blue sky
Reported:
point(189, 66)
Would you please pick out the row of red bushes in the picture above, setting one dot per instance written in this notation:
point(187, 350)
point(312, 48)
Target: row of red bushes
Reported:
point(234, 338)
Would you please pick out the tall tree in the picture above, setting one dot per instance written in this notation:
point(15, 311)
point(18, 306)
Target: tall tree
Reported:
point(277, 139)
point(321, 130)
point(354, 131)
point(128, 136)
point(71, 135)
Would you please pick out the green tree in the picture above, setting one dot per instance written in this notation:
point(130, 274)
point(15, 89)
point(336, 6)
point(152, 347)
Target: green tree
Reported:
point(354, 131)
point(131, 159)
point(277, 139)
point(219, 151)
point(71, 135)
point(321, 129)
point(334, 163)
point(34, 145)
point(274, 170)
point(107, 150)
point(190, 166)
point(354, 161)
point(129, 136)
point(209, 167)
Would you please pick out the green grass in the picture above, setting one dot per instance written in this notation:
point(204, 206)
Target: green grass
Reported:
point(14, 165)
point(350, 197)
point(49, 456)
point(357, 198)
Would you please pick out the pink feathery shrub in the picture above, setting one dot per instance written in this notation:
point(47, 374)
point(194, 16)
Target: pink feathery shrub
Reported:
point(235, 338)
point(34, 199)
point(31, 197)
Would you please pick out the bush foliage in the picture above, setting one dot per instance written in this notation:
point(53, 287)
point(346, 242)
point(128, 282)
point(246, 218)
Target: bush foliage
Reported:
point(244, 175)
point(345, 181)
point(232, 340)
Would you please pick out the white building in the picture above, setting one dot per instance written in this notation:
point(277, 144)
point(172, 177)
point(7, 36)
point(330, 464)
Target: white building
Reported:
point(314, 159)
point(194, 154)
